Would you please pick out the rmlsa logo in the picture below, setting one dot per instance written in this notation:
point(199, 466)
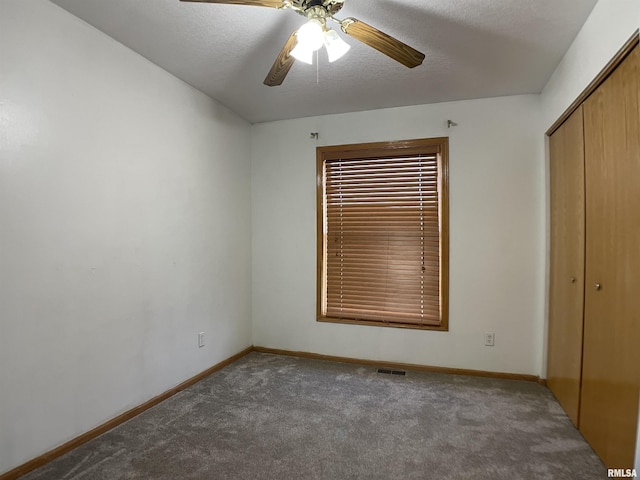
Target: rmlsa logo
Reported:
point(622, 473)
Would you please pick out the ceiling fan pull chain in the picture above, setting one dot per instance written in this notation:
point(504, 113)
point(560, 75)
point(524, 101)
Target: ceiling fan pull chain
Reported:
point(317, 69)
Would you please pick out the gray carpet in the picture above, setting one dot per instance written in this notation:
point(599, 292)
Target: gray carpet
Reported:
point(273, 417)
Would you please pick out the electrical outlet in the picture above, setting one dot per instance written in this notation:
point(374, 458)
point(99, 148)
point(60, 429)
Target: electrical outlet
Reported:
point(201, 340)
point(489, 339)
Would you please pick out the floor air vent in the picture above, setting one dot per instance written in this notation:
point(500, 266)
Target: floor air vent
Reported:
point(391, 372)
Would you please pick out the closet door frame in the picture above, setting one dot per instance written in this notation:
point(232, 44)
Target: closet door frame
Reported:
point(624, 52)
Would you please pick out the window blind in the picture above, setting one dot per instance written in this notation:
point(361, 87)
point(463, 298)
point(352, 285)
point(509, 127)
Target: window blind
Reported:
point(382, 232)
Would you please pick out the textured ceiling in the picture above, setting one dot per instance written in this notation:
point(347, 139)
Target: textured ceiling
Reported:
point(474, 49)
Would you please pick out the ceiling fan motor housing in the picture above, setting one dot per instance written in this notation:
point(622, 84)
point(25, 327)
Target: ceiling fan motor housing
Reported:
point(330, 7)
point(312, 3)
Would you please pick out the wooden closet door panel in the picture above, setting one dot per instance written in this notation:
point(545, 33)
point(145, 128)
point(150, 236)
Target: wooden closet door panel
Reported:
point(566, 290)
point(611, 363)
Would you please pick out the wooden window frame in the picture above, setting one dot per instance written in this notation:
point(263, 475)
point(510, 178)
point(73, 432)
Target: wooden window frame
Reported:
point(404, 147)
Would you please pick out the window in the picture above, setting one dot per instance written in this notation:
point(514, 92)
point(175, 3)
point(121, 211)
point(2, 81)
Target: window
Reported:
point(383, 234)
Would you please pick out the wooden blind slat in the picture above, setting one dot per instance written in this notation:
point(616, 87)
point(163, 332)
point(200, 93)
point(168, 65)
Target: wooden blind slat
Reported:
point(400, 302)
point(389, 201)
point(388, 244)
point(398, 235)
point(357, 314)
point(382, 161)
point(363, 295)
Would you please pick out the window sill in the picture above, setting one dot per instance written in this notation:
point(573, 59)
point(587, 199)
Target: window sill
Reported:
point(374, 323)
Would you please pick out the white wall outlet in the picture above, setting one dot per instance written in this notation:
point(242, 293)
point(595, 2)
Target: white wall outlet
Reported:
point(201, 340)
point(489, 339)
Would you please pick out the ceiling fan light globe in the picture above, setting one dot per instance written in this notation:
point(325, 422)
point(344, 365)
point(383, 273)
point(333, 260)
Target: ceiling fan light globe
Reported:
point(303, 54)
point(311, 35)
point(336, 46)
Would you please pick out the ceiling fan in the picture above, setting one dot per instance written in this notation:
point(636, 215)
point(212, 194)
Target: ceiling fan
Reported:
point(314, 34)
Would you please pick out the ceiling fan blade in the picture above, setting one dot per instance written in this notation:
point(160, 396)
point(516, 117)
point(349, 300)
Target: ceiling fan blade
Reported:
point(382, 42)
point(283, 63)
point(255, 3)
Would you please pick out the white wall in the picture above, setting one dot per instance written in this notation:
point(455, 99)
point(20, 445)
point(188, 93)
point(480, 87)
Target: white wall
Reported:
point(496, 246)
point(124, 229)
point(610, 25)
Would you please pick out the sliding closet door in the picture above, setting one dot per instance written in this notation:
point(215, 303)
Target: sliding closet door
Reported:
point(611, 366)
point(566, 294)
